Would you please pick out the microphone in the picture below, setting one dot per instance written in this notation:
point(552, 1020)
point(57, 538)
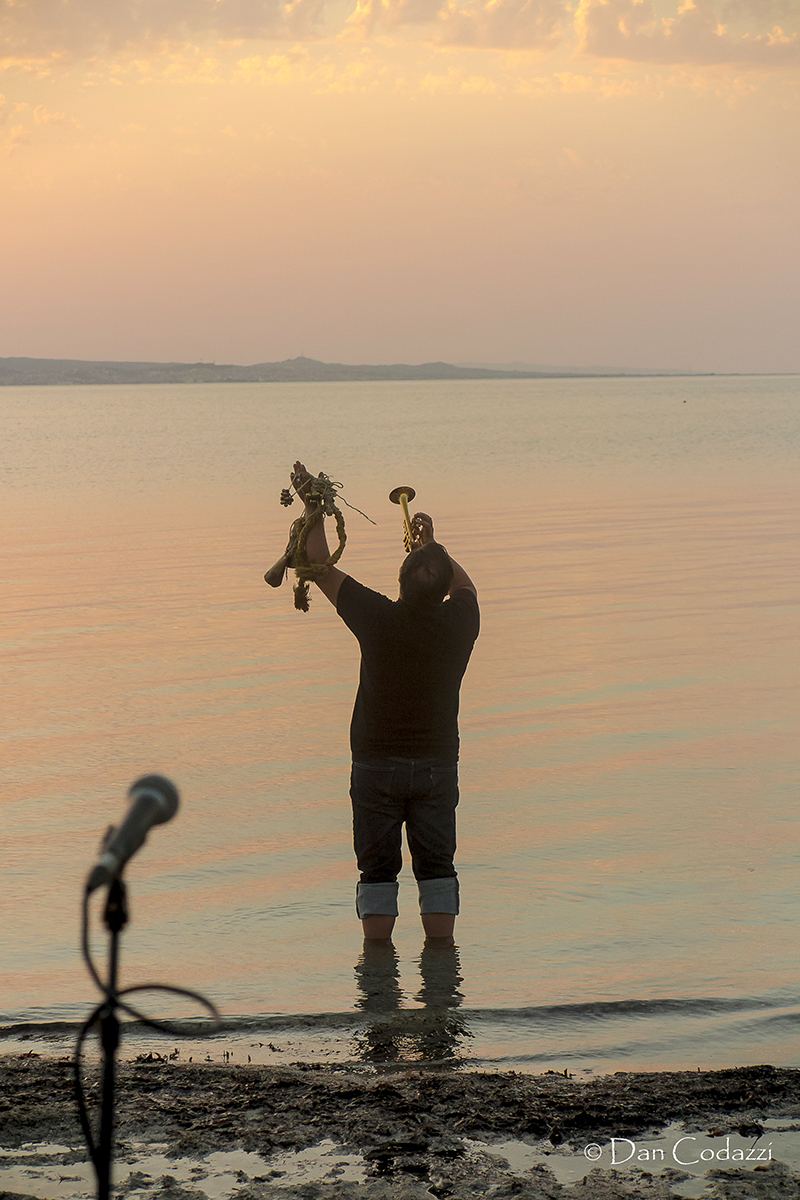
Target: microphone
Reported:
point(154, 800)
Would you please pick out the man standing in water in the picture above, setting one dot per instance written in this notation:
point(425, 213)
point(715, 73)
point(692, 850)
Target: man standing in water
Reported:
point(404, 730)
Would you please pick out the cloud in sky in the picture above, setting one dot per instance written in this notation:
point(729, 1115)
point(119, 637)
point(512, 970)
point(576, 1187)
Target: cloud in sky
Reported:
point(16, 136)
point(697, 33)
point(501, 24)
point(34, 30)
point(43, 117)
point(759, 33)
point(750, 32)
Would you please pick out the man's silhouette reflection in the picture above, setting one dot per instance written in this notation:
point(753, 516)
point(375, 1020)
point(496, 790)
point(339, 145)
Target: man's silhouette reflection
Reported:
point(429, 1034)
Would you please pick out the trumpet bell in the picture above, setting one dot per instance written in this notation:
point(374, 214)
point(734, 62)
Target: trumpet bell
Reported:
point(396, 493)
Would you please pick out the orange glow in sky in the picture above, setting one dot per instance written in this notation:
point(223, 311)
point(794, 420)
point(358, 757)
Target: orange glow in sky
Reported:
point(601, 182)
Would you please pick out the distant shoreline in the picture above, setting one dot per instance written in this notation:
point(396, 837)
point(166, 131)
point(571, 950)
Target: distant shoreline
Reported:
point(64, 372)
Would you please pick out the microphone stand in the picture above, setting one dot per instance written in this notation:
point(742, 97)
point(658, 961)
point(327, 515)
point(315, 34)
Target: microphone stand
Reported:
point(115, 918)
point(154, 800)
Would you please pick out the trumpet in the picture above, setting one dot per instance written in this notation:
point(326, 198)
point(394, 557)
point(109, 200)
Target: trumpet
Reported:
point(401, 496)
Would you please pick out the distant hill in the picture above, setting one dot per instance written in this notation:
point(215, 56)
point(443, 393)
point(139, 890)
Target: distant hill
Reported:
point(45, 371)
point(581, 372)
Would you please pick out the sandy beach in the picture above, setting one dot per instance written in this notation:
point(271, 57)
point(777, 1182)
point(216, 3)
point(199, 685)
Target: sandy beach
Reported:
point(411, 1134)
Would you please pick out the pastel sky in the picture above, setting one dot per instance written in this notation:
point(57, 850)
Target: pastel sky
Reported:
point(601, 182)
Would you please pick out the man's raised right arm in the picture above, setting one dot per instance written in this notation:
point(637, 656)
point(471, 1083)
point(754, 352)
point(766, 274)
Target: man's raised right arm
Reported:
point(460, 578)
point(422, 528)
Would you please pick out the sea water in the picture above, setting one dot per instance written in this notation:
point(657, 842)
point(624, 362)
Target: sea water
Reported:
point(628, 826)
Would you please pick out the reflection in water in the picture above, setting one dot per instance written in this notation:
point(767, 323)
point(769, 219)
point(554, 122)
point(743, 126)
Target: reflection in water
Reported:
point(428, 1034)
point(441, 974)
point(378, 978)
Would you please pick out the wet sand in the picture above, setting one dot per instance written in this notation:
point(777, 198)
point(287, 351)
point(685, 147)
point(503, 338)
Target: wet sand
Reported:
point(414, 1130)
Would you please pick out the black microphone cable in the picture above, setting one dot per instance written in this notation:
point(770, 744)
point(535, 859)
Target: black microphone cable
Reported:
point(114, 999)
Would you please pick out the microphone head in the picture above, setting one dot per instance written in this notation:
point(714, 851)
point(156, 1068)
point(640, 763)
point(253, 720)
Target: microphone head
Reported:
point(159, 789)
point(153, 800)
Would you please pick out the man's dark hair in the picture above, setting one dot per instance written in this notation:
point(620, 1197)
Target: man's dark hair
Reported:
point(426, 575)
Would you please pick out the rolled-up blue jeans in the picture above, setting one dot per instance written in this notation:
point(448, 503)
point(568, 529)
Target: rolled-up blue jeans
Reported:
point(421, 793)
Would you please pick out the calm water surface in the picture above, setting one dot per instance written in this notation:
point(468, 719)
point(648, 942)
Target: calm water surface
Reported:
point(629, 820)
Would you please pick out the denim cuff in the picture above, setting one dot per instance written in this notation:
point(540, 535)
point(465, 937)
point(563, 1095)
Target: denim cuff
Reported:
point(376, 899)
point(438, 895)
